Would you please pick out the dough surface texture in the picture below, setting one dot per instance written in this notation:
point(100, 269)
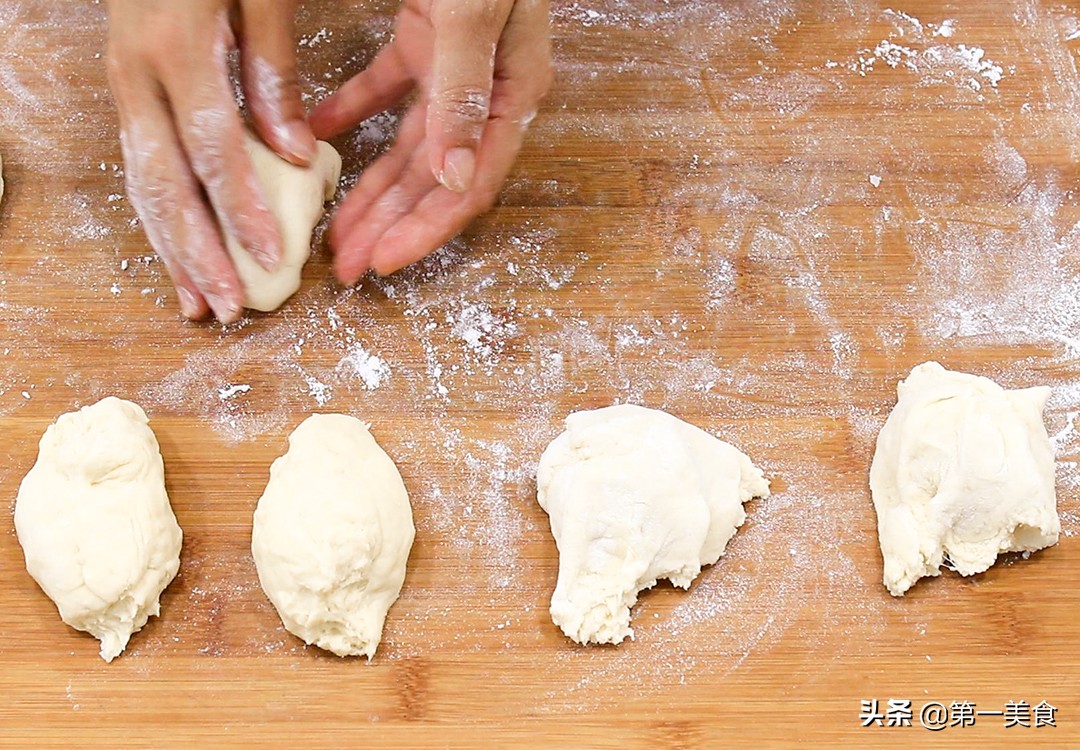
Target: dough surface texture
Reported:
point(295, 196)
point(635, 495)
point(963, 471)
point(332, 534)
point(95, 524)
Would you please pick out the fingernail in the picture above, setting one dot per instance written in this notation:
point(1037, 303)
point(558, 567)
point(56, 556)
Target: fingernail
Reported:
point(224, 310)
point(355, 272)
point(268, 259)
point(354, 276)
point(266, 249)
point(188, 306)
point(459, 165)
point(296, 138)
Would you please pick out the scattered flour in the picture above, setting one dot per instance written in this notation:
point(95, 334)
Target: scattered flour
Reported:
point(229, 391)
point(909, 47)
point(318, 390)
point(371, 370)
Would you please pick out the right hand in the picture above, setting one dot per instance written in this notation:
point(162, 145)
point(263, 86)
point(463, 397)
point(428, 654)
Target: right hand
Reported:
point(187, 171)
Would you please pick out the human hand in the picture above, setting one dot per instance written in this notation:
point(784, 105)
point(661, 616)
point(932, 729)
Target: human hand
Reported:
point(187, 171)
point(481, 68)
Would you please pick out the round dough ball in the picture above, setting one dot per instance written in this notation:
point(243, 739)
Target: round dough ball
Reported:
point(635, 495)
point(963, 470)
point(295, 196)
point(332, 534)
point(95, 524)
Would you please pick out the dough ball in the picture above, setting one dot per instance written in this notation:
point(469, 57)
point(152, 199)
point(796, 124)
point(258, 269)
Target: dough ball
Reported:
point(635, 495)
point(295, 196)
point(95, 523)
point(963, 471)
point(332, 535)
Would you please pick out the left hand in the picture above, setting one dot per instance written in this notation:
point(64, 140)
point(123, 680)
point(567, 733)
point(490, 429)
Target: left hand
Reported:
point(187, 171)
point(481, 67)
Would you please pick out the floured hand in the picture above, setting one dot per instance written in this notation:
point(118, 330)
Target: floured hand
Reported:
point(188, 173)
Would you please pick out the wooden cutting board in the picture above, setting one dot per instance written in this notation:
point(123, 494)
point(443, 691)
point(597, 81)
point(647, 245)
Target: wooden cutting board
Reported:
point(757, 216)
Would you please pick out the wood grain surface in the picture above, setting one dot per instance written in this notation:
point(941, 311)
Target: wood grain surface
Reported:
point(755, 215)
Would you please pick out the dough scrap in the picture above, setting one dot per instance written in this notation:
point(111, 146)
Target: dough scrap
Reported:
point(295, 196)
point(332, 535)
point(95, 524)
point(635, 495)
point(963, 470)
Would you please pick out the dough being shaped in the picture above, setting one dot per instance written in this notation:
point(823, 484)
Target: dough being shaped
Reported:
point(963, 470)
point(635, 495)
point(295, 196)
point(95, 523)
point(332, 535)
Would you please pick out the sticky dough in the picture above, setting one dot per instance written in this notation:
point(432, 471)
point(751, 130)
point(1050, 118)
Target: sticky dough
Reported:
point(295, 196)
point(963, 471)
point(635, 495)
point(332, 534)
point(95, 524)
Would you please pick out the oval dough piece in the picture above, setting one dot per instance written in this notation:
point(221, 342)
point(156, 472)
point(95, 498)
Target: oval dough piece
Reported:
point(95, 524)
point(635, 495)
point(332, 534)
point(963, 470)
point(295, 196)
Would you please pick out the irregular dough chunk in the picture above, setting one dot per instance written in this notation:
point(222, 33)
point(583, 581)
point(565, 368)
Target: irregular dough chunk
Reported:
point(963, 470)
point(295, 196)
point(332, 535)
point(95, 523)
point(635, 495)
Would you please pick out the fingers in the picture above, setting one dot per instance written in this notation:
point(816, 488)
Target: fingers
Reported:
point(192, 304)
point(442, 214)
point(271, 85)
point(413, 214)
point(177, 220)
point(381, 85)
point(183, 141)
point(525, 60)
point(351, 262)
point(490, 68)
point(467, 35)
point(393, 203)
point(213, 138)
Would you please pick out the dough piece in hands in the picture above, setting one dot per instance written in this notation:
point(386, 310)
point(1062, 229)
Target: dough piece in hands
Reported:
point(635, 495)
point(963, 471)
point(332, 534)
point(95, 523)
point(295, 196)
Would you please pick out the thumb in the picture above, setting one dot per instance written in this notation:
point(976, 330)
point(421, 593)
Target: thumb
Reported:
point(466, 36)
point(271, 86)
